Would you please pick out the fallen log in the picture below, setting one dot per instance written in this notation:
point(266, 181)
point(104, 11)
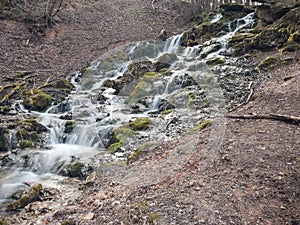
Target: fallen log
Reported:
point(269, 116)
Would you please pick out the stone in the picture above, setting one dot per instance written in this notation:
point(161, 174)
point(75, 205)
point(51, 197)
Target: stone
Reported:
point(3, 139)
point(162, 35)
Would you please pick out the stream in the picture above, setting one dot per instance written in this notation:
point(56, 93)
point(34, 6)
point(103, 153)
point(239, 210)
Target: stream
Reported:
point(183, 93)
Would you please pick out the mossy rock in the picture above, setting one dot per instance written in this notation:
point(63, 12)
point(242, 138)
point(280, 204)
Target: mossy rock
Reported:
point(119, 138)
point(165, 61)
point(26, 144)
point(126, 83)
point(215, 61)
point(4, 109)
point(64, 84)
point(127, 130)
point(140, 124)
point(145, 86)
point(270, 38)
point(37, 100)
point(268, 63)
point(32, 125)
point(30, 196)
point(239, 38)
point(78, 170)
point(87, 83)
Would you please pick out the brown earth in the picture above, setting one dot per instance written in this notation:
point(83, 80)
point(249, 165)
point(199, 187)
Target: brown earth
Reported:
point(255, 175)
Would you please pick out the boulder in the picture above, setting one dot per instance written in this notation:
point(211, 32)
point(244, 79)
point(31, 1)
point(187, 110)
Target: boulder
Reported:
point(37, 100)
point(3, 139)
point(165, 61)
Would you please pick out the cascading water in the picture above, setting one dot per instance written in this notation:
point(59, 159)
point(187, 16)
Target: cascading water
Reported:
point(94, 111)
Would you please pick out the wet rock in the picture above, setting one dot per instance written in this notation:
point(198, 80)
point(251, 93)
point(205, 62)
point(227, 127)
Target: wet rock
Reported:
point(32, 195)
point(135, 70)
point(37, 100)
point(4, 142)
point(78, 170)
point(149, 84)
point(29, 133)
point(69, 126)
point(165, 61)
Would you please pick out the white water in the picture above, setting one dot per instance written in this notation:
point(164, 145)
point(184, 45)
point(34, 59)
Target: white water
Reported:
point(93, 120)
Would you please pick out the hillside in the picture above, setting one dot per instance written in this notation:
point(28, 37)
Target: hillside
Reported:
point(251, 178)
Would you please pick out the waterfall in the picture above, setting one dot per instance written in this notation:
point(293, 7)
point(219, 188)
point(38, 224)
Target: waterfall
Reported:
point(94, 111)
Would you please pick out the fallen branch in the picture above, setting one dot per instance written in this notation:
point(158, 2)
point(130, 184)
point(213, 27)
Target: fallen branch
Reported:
point(270, 116)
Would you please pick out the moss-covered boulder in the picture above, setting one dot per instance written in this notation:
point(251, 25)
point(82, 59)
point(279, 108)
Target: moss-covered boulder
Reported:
point(165, 61)
point(30, 196)
point(64, 84)
point(270, 38)
point(29, 133)
point(37, 100)
point(148, 84)
point(127, 130)
point(78, 170)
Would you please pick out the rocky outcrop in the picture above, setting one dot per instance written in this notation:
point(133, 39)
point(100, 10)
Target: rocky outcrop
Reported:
point(125, 83)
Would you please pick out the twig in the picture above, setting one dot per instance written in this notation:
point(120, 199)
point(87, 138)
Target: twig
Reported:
point(270, 116)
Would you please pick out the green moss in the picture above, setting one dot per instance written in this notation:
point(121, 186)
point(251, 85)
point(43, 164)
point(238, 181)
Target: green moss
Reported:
point(294, 37)
point(166, 112)
point(115, 147)
point(32, 195)
point(63, 84)
point(203, 124)
point(26, 144)
point(68, 222)
point(215, 61)
point(85, 71)
point(267, 63)
point(5, 109)
point(37, 100)
point(239, 38)
point(153, 218)
point(140, 124)
point(145, 85)
point(122, 133)
point(2, 221)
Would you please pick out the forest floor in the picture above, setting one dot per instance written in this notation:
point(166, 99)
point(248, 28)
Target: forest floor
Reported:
point(255, 176)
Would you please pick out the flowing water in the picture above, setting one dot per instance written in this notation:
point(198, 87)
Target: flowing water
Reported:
point(189, 88)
